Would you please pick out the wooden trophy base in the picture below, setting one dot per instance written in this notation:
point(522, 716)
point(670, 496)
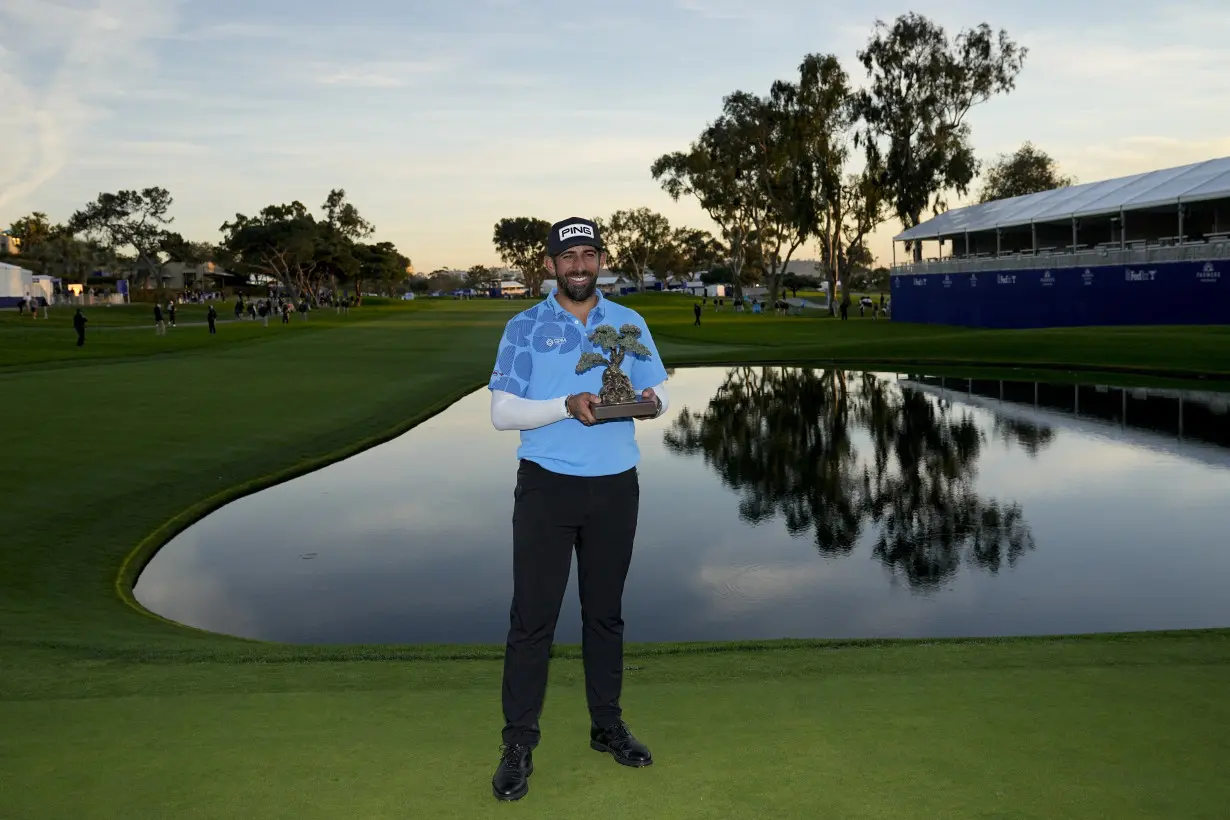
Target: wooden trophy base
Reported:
point(636, 409)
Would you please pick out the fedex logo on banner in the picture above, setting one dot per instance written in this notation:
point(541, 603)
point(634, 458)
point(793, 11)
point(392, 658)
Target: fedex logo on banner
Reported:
point(569, 231)
point(1009, 279)
point(920, 281)
point(1139, 275)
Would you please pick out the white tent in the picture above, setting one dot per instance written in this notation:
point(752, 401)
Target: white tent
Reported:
point(43, 286)
point(15, 282)
point(1198, 182)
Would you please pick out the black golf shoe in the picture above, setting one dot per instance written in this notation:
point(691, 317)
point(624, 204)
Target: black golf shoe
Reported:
point(621, 744)
point(511, 780)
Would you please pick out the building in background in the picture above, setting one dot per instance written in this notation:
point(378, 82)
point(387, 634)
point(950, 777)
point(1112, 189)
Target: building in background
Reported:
point(183, 276)
point(9, 244)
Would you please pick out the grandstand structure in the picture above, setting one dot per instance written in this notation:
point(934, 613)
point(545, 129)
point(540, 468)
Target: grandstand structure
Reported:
point(1151, 248)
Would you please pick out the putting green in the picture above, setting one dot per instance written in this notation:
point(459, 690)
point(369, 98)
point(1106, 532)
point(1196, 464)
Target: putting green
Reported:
point(1129, 728)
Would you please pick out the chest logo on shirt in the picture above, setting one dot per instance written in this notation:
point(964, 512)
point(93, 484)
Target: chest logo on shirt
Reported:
point(552, 337)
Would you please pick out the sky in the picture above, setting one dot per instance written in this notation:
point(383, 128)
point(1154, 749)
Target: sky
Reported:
point(439, 118)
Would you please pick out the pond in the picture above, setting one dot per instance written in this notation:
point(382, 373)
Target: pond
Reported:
point(775, 502)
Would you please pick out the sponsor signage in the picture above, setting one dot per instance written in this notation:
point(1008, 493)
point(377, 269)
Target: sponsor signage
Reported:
point(1157, 293)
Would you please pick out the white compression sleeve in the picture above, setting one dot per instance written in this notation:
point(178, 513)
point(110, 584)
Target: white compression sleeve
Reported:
point(509, 412)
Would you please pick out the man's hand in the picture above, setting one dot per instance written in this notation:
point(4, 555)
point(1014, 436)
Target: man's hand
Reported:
point(581, 405)
point(648, 393)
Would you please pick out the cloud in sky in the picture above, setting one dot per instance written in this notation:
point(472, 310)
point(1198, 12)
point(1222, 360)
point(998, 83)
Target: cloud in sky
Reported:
point(439, 119)
point(63, 61)
point(379, 75)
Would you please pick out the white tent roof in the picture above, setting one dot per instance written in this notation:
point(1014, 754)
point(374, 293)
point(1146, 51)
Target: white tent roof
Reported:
point(14, 281)
point(1170, 186)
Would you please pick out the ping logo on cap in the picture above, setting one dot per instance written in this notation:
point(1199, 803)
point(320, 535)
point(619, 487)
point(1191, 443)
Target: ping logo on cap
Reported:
point(575, 230)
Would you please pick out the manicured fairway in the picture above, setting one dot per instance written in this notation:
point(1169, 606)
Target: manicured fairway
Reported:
point(109, 712)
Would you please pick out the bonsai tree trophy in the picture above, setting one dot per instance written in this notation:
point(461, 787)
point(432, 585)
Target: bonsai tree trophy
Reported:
point(619, 400)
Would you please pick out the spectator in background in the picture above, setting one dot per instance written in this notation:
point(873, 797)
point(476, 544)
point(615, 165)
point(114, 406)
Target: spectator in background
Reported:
point(79, 325)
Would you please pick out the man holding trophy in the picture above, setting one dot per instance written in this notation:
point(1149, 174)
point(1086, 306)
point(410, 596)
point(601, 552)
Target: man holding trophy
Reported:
point(577, 487)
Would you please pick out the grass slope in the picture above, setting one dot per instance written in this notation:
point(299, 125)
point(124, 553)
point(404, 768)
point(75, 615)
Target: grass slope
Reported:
point(108, 711)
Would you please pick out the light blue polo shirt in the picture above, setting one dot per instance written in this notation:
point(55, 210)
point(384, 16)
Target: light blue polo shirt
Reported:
point(538, 358)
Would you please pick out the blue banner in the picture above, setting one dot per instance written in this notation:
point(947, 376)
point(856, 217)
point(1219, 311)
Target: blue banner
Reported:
point(1159, 293)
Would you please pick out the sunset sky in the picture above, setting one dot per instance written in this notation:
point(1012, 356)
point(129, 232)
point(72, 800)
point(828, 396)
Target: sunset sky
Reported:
point(439, 117)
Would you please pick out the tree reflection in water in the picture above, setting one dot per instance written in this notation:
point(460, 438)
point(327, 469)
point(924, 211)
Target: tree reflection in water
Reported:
point(782, 438)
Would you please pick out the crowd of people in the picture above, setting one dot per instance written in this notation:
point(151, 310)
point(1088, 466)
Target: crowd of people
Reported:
point(251, 309)
point(33, 304)
point(262, 309)
point(782, 307)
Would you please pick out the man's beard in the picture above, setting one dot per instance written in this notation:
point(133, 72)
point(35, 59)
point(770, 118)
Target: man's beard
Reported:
point(577, 293)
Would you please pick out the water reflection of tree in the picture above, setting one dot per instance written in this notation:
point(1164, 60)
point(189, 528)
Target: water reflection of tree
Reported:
point(1032, 438)
point(782, 438)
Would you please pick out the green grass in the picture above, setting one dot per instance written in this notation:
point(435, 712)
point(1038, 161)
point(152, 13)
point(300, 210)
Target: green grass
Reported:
point(1072, 728)
point(111, 712)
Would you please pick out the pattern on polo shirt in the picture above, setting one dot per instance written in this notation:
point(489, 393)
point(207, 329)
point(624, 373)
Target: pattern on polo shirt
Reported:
point(513, 365)
point(523, 337)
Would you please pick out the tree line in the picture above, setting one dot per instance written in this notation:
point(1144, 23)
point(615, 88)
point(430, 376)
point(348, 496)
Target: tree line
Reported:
point(127, 234)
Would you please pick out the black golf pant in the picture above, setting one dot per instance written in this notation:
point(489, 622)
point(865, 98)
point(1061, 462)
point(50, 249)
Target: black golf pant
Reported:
point(552, 514)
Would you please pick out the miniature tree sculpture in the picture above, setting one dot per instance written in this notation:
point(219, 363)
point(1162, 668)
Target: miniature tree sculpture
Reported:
point(616, 386)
